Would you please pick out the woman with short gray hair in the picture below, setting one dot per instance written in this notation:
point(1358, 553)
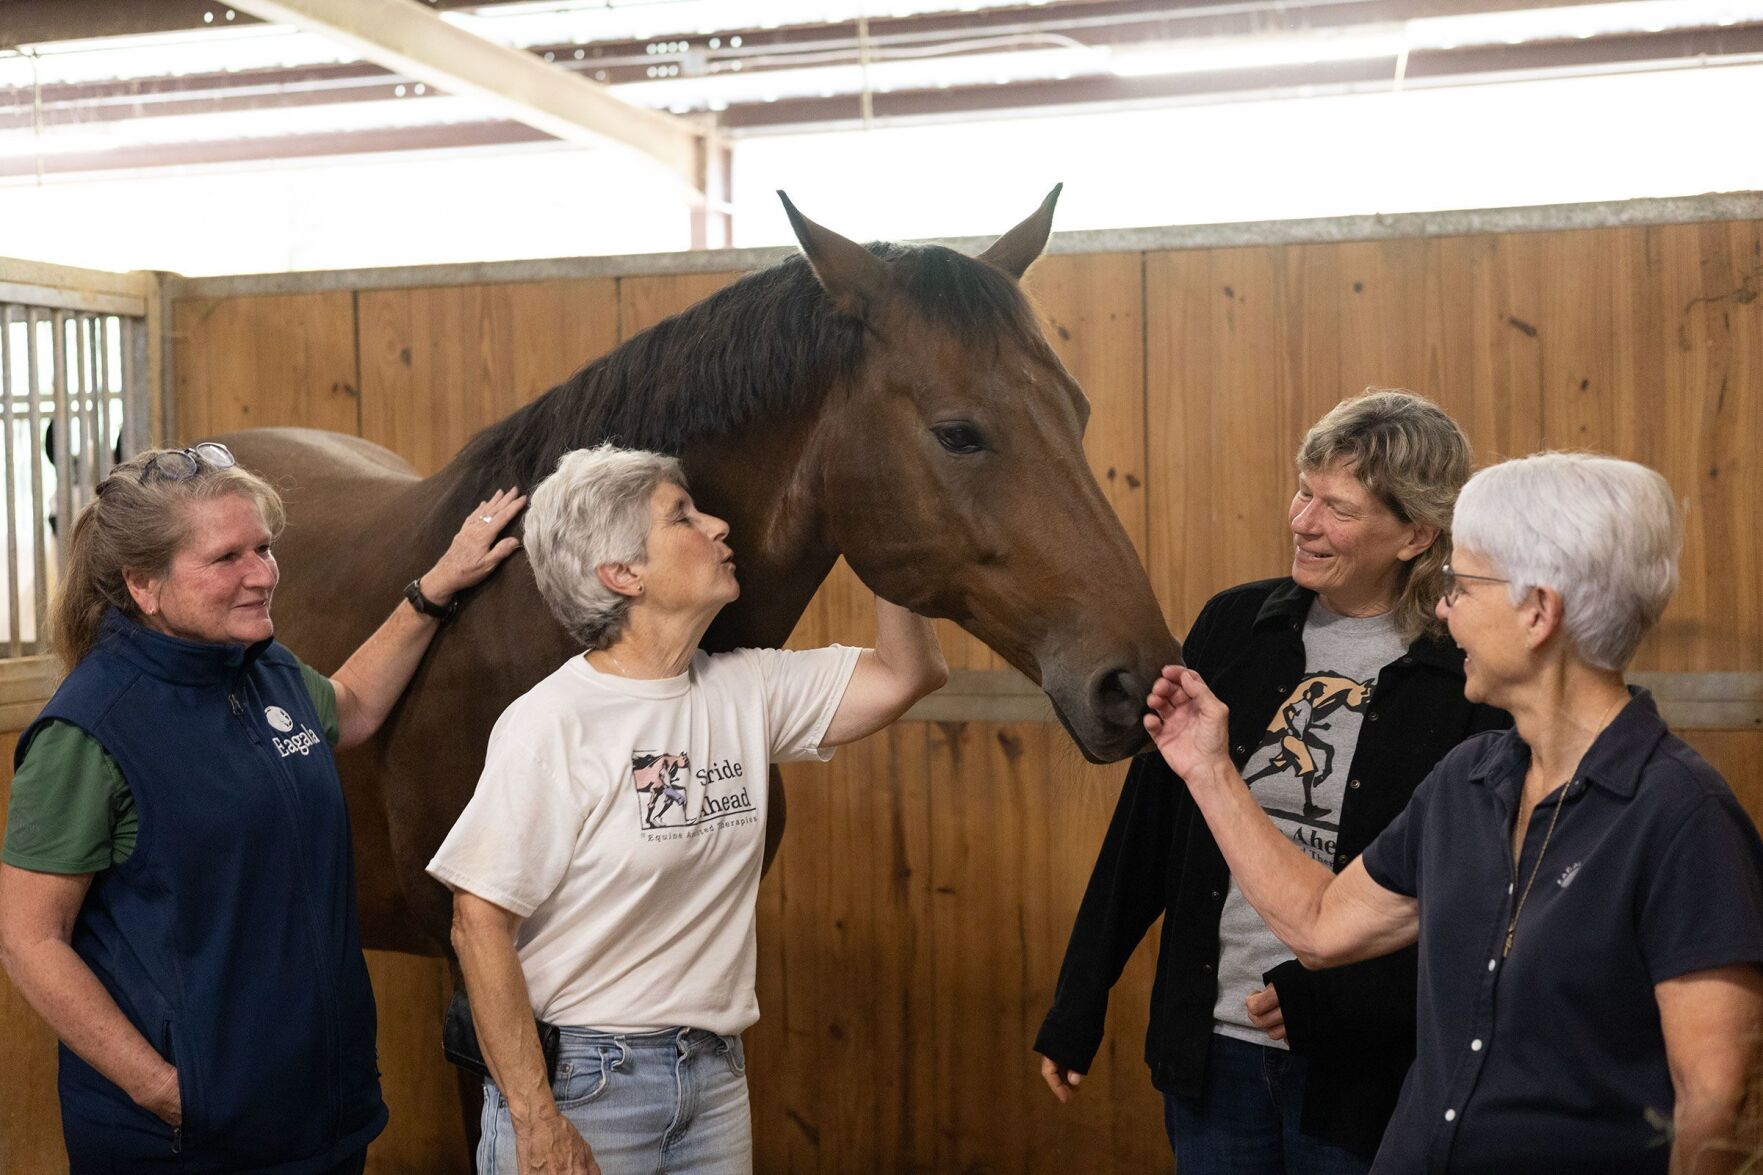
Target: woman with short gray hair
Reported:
point(1586, 893)
point(606, 870)
point(593, 510)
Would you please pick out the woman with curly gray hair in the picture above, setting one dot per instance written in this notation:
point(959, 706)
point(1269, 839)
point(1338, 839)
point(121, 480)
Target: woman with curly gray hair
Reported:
point(606, 870)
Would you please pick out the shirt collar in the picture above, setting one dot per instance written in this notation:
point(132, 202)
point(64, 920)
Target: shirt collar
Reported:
point(174, 659)
point(1288, 605)
point(1614, 761)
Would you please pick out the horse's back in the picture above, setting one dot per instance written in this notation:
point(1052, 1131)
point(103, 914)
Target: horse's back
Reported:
point(312, 454)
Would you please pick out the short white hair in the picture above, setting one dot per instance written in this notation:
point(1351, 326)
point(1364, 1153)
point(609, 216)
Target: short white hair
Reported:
point(594, 509)
point(1604, 533)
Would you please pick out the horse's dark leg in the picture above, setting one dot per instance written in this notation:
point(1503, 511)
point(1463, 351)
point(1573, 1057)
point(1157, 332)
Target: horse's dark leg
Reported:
point(471, 1089)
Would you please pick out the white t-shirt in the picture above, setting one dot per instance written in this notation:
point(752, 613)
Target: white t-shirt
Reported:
point(624, 821)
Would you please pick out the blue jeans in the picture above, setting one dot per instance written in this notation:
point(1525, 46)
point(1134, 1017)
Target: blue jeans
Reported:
point(649, 1103)
point(1245, 1121)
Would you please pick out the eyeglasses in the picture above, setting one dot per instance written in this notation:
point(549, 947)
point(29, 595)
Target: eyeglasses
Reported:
point(183, 464)
point(1454, 580)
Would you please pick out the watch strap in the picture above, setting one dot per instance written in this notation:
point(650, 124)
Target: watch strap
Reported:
point(426, 606)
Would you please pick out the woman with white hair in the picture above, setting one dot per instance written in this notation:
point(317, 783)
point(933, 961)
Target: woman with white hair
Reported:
point(606, 870)
point(1586, 893)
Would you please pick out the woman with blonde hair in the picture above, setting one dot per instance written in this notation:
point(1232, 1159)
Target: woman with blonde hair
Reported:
point(1344, 693)
point(176, 886)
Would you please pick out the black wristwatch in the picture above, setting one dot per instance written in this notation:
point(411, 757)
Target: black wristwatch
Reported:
point(441, 612)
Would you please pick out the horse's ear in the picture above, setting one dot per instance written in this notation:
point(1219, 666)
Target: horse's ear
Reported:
point(855, 277)
point(1017, 249)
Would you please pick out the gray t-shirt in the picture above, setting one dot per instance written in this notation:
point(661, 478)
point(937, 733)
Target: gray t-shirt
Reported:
point(1299, 774)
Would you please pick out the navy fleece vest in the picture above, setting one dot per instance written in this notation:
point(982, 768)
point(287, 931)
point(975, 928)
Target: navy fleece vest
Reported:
point(229, 937)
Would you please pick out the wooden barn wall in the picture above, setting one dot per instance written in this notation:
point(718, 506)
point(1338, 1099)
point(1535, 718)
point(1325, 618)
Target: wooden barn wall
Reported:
point(911, 933)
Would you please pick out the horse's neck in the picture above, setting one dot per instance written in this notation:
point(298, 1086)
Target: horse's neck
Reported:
point(766, 485)
point(763, 479)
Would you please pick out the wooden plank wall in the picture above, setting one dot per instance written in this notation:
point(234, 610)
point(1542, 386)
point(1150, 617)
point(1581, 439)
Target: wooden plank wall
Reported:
point(910, 936)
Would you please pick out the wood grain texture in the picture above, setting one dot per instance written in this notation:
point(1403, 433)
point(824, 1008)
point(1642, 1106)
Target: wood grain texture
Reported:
point(645, 301)
point(274, 359)
point(440, 363)
point(1653, 346)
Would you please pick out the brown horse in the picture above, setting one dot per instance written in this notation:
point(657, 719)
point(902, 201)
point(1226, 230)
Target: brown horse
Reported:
point(897, 405)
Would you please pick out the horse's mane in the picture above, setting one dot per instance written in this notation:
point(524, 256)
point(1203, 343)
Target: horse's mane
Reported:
point(768, 345)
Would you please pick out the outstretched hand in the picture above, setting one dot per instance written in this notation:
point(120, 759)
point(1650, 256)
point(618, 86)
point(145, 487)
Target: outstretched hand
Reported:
point(1188, 723)
point(475, 550)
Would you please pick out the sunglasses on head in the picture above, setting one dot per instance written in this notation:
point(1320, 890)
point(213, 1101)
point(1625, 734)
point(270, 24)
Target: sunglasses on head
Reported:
point(183, 464)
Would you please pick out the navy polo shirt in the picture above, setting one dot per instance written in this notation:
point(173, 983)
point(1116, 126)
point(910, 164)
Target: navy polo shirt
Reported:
point(1552, 1059)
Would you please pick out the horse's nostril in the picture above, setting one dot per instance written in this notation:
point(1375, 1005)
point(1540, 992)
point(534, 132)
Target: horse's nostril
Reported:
point(1116, 697)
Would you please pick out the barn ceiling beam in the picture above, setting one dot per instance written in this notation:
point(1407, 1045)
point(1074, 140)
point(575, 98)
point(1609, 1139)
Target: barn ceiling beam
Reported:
point(411, 40)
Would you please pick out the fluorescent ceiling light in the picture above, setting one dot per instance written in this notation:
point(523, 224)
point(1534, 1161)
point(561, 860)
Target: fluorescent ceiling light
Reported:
point(207, 51)
point(1581, 21)
point(561, 22)
point(918, 73)
point(1207, 54)
point(124, 134)
point(1369, 42)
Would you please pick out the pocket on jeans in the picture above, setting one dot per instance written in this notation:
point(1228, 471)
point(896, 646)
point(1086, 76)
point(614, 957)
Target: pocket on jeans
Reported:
point(582, 1079)
point(735, 1053)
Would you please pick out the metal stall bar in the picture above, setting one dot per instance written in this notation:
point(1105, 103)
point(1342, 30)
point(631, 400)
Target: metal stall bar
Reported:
point(136, 425)
point(16, 644)
point(79, 387)
point(34, 454)
point(101, 409)
point(63, 448)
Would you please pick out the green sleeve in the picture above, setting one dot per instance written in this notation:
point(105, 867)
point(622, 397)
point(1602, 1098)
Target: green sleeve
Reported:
point(71, 811)
point(324, 700)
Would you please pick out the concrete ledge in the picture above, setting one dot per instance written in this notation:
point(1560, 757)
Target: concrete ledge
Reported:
point(1689, 701)
point(1538, 218)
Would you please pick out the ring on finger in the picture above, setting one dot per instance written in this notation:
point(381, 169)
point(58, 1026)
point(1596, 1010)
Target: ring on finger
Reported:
point(485, 518)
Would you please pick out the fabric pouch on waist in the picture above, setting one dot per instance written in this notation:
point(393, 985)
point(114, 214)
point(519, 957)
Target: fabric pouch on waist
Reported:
point(459, 1039)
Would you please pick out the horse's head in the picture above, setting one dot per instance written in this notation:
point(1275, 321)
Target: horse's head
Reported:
point(958, 486)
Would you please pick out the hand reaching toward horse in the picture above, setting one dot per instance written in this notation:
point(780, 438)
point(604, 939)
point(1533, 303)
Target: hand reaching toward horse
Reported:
point(1188, 723)
point(475, 550)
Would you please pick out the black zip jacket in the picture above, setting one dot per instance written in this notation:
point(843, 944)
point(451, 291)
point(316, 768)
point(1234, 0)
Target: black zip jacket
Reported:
point(1356, 1023)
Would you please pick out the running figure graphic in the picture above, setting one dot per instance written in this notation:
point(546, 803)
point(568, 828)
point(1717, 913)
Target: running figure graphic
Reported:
point(1301, 750)
point(660, 777)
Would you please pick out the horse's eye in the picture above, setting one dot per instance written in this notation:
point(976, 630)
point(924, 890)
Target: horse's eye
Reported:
point(959, 437)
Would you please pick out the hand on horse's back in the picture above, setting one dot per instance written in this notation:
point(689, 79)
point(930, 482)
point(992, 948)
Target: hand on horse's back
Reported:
point(476, 551)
